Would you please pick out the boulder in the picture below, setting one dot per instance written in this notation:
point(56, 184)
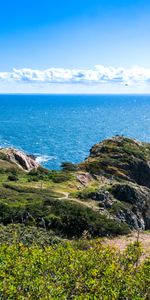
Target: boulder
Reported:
point(84, 178)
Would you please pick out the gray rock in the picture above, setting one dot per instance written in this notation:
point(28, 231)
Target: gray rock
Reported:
point(135, 221)
point(137, 199)
point(104, 197)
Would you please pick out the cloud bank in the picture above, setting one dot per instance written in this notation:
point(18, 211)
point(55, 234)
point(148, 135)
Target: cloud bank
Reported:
point(98, 75)
point(100, 79)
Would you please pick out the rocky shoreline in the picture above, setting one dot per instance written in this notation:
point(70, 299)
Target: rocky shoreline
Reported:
point(24, 161)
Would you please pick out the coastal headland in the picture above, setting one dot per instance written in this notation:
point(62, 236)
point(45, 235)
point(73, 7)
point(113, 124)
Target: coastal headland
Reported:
point(106, 194)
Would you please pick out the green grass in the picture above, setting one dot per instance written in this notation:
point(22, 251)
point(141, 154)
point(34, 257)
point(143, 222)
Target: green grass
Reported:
point(85, 193)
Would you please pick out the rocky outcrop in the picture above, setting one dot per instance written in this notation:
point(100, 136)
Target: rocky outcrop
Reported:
point(105, 198)
point(120, 158)
point(19, 158)
point(84, 178)
point(125, 163)
point(129, 203)
point(137, 204)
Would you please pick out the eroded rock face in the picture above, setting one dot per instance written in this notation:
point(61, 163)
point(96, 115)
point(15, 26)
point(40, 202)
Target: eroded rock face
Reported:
point(21, 159)
point(134, 220)
point(139, 171)
point(132, 194)
point(137, 201)
point(129, 204)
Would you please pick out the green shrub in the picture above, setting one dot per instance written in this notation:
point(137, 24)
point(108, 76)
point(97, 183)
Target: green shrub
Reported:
point(46, 175)
point(116, 207)
point(12, 178)
point(74, 219)
point(68, 166)
point(69, 271)
point(59, 176)
point(2, 171)
point(38, 174)
point(19, 233)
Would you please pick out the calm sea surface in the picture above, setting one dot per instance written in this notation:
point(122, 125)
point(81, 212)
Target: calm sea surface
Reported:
point(63, 128)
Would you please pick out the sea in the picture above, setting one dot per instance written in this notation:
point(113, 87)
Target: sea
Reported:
point(60, 128)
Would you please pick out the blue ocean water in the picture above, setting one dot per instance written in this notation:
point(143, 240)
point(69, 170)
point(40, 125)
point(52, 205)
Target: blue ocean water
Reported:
point(60, 128)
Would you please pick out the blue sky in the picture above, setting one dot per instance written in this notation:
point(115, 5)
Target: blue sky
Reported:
point(74, 35)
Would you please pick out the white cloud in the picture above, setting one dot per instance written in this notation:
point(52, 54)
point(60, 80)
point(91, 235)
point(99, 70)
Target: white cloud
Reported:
point(99, 76)
point(4, 75)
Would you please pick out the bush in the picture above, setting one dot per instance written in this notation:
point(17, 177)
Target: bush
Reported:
point(12, 178)
point(38, 174)
point(74, 219)
point(68, 166)
point(59, 176)
point(66, 271)
point(116, 207)
point(27, 235)
point(3, 156)
point(46, 175)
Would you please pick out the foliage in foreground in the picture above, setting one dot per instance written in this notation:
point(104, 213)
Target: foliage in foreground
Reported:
point(73, 270)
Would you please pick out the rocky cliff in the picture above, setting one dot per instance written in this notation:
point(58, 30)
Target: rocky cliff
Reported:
point(18, 158)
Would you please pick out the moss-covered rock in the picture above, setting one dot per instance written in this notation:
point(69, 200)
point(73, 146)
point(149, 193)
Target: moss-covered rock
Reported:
point(120, 158)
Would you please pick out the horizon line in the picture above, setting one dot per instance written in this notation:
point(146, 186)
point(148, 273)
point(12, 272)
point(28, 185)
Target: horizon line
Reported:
point(78, 94)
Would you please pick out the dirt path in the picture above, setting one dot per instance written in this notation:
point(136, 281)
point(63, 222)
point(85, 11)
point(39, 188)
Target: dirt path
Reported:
point(65, 195)
point(91, 204)
point(122, 241)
